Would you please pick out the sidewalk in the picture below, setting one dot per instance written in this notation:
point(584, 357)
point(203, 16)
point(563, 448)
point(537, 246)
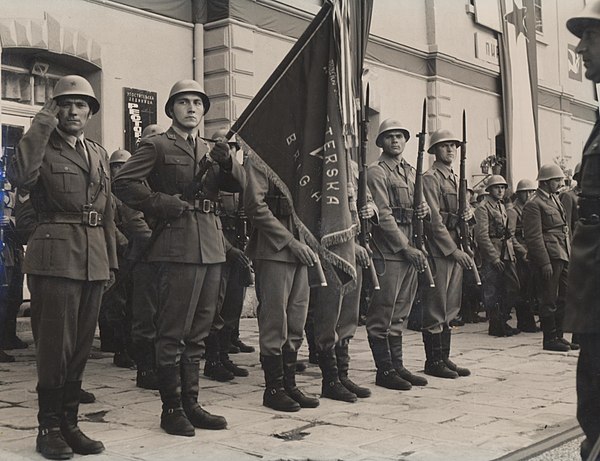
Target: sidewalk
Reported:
point(517, 395)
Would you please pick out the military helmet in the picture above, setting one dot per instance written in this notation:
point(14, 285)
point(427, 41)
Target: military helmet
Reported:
point(442, 136)
point(119, 156)
point(496, 180)
point(550, 171)
point(390, 125)
point(75, 85)
point(186, 86)
point(151, 130)
point(526, 184)
point(589, 16)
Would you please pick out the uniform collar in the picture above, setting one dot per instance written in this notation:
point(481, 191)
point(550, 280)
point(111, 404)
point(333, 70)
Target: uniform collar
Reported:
point(445, 170)
point(393, 162)
point(70, 139)
point(183, 134)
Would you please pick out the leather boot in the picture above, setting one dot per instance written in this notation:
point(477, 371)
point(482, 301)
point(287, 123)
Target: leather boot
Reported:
point(343, 364)
point(224, 339)
point(238, 343)
point(50, 442)
point(332, 387)
point(559, 318)
point(496, 325)
point(446, 339)
point(214, 368)
point(275, 396)
point(77, 440)
point(386, 376)
point(289, 381)
point(198, 416)
point(551, 341)
point(143, 354)
point(525, 318)
point(172, 419)
point(434, 363)
point(395, 343)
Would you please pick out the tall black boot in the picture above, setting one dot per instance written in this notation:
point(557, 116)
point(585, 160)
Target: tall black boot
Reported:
point(77, 440)
point(343, 364)
point(434, 363)
point(214, 368)
point(395, 344)
point(50, 442)
point(551, 341)
point(446, 339)
point(172, 419)
point(275, 396)
point(332, 387)
point(289, 381)
point(525, 318)
point(196, 415)
point(144, 356)
point(497, 325)
point(387, 376)
point(224, 336)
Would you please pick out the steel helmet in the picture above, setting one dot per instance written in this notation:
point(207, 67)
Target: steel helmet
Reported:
point(151, 130)
point(186, 86)
point(119, 156)
point(496, 180)
point(442, 136)
point(550, 171)
point(589, 16)
point(389, 125)
point(75, 85)
point(526, 184)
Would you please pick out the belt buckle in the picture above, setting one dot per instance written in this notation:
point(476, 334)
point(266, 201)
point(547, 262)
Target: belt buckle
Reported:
point(92, 218)
point(206, 205)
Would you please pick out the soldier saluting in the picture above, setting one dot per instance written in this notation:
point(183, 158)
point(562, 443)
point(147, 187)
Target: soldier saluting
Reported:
point(70, 256)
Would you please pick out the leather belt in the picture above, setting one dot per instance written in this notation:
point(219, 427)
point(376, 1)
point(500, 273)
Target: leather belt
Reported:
point(205, 206)
point(89, 218)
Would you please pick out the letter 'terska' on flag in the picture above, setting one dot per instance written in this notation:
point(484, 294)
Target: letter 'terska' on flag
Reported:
point(293, 132)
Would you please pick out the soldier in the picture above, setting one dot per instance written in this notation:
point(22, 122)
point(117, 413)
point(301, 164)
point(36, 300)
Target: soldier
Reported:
point(525, 189)
point(442, 303)
point(583, 300)
point(548, 247)
point(495, 241)
point(183, 183)
point(392, 182)
point(70, 256)
point(569, 199)
point(280, 259)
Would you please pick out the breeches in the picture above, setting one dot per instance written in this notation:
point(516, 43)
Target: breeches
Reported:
point(442, 303)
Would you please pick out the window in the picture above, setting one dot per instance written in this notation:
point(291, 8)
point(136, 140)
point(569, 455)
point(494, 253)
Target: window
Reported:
point(19, 85)
point(537, 9)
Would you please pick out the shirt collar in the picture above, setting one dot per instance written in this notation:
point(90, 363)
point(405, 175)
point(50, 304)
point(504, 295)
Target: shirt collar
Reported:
point(544, 194)
point(70, 139)
point(183, 134)
point(392, 162)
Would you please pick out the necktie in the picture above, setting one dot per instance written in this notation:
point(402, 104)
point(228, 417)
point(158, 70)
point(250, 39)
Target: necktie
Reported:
point(192, 143)
point(79, 147)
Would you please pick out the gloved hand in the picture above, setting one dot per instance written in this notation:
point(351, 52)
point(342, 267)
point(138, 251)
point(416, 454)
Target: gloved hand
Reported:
point(220, 153)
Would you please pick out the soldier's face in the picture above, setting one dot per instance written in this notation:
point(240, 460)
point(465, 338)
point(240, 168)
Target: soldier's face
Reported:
point(394, 143)
point(497, 192)
point(445, 152)
point(555, 184)
point(188, 111)
point(589, 49)
point(73, 115)
point(524, 195)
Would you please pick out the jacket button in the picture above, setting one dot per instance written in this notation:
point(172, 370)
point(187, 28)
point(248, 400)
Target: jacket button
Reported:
point(91, 184)
point(66, 168)
point(47, 235)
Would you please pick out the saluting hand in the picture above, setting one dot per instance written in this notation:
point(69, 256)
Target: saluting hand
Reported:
point(303, 253)
point(50, 108)
point(220, 153)
point(422, 210)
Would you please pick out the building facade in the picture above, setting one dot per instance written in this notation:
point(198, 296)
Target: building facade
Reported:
point(132, 51)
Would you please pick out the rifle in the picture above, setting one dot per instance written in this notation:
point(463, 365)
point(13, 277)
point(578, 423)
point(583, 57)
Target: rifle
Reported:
point(364, 237)
point(246, 274)
point(464, 232)
point(418, 234)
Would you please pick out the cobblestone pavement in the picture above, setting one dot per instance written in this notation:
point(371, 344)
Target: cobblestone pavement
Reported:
point(517, 395)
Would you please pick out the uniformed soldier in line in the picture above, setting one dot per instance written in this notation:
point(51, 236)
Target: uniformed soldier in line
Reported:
point(218, 365)
point(392, 181)
point(583, 294)
point(548, 248)
point(569, 198)
point(114, 320)
point(335, 316)
point(524, 191)
point(496, 245)
point(442, 303)
point(281, 260)
point(189, 248)
point(144, 298)
point(68, 177)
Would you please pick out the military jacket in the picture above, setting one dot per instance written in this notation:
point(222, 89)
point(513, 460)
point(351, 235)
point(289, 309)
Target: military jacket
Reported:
point(169, 164)
point(515, 224)
point(492, 232)
point(569, 203)
point(60, 181)
point(545, 228)
point(440, 188)
point(392, 186)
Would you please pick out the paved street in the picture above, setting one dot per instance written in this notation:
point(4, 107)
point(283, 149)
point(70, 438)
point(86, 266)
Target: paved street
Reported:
point(517, 395)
